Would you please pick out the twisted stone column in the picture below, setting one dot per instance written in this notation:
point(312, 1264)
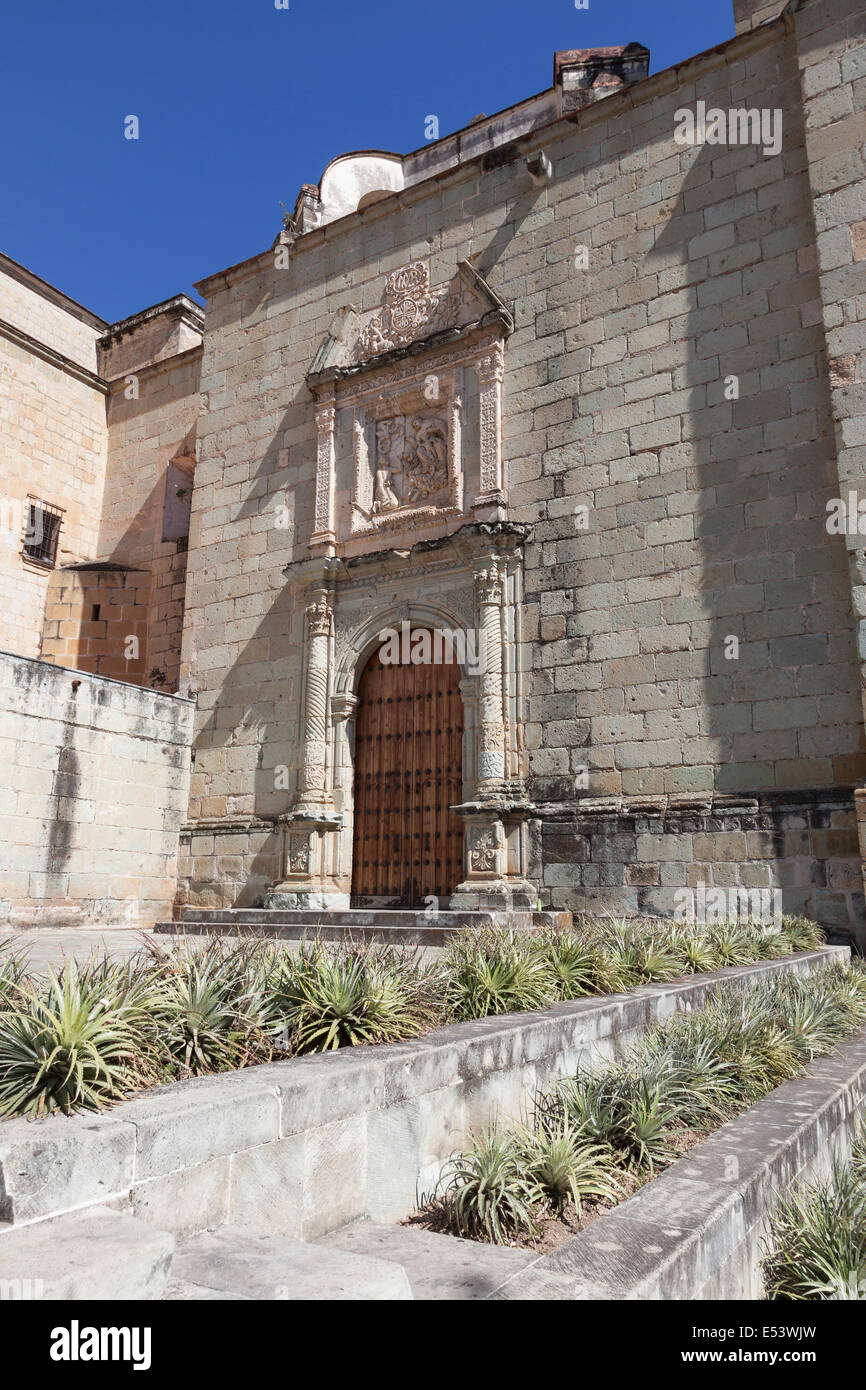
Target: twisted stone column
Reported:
point(491, 726)
point(313, 782)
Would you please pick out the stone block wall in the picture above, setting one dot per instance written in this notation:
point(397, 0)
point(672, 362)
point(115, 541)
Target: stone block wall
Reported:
point(92, 800)
point(153, 363)
point(638, 859)
point(53, 442)
point(669, 435)
point(90, 614)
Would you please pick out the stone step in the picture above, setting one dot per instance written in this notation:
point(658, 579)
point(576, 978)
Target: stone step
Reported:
point(95, 1253)
point(233, 1264)
point(437, 1266)
point(281, 931)
point(377, 925)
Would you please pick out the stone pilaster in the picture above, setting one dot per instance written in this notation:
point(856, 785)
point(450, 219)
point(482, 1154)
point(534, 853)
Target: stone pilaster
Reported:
point(489, 505)
point(496, 840)
point(323, 539)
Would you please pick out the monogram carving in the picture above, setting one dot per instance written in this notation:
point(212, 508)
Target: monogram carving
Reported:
point(408, 307)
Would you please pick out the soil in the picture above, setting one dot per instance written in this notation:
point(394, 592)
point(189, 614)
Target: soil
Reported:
point(556, 1230)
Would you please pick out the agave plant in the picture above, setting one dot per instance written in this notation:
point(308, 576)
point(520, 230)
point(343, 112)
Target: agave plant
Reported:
point(801, 934)
point(14, 979)
point(564, 1166)
point(497, 973)
point(818, 1240)
point(571, 964)
point(696, 950)
point(339, 998)
point(203, 1026)
point(734, 944)
point(658, 960)
point(69, 1045)
point(488, 1192)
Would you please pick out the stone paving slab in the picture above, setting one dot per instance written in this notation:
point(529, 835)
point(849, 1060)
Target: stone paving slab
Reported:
point(234, 1264)
point(97, 1253)
point(437, 1266)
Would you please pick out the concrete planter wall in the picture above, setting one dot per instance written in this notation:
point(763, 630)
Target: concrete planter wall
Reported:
point(300, 1147)
point(696, 1232)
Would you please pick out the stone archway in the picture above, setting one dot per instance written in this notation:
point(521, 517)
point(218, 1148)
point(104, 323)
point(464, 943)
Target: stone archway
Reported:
point(407, 841)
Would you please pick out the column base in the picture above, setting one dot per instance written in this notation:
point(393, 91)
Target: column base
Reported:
point(294, 897)
point(494, 895)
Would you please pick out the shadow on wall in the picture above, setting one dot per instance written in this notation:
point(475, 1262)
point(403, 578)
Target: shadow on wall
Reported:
point(772, 693)
point(121, 615)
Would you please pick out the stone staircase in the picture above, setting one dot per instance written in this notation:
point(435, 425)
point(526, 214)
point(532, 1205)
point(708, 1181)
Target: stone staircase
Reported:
point(392, 926)
point(107, 1255)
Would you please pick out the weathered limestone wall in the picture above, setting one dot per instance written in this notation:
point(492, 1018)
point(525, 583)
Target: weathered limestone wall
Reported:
point(831, 53)
point(145, 514)
point(687, 616)
point(53, 445)
point(91, 613)
point(94, 791)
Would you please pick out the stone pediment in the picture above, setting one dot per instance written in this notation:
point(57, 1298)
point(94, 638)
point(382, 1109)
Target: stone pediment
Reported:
point(412, 315)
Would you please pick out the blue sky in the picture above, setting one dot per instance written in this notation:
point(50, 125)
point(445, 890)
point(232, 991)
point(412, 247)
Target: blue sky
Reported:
point(240, 103)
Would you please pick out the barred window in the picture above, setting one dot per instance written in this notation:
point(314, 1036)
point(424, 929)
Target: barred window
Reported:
point(42, 531)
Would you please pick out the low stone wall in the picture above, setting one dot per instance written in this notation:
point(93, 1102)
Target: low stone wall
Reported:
point(94, 790)
point(697, 1231)
point(652, 854)
point(303, 1146)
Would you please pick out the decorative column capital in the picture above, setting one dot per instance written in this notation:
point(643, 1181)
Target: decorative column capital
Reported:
point(319, 618)
point(488, 582)
point(491, 367)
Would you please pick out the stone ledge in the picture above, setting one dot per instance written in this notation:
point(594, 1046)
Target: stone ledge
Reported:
point(374, 1123)
point(696, 1231)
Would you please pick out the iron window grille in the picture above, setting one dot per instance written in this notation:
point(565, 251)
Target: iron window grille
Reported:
point(42, 531)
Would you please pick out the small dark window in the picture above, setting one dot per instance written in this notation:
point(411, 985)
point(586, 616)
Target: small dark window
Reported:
point(42, 531)
point(94, 613)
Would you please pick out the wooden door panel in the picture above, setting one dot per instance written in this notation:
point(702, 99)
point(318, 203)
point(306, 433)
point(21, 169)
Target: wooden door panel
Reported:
point(408, 844)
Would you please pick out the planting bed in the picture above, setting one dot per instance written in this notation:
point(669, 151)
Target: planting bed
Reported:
point(301, 1147)
point(596, 1136)
point(700, 1230)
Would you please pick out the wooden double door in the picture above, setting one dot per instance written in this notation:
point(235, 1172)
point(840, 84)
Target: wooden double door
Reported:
point(408, 844)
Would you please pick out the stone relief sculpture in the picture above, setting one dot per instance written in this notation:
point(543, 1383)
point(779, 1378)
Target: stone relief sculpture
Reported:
point(385, 498)
point(406, 370)
point(411, 460)
point(426, 457)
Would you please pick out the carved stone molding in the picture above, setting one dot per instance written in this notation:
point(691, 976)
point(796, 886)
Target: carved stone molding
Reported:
point(490, 370)
point(323, 525)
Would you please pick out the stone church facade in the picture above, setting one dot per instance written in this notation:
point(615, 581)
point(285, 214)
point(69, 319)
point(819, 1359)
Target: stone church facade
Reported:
point(575, 394)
